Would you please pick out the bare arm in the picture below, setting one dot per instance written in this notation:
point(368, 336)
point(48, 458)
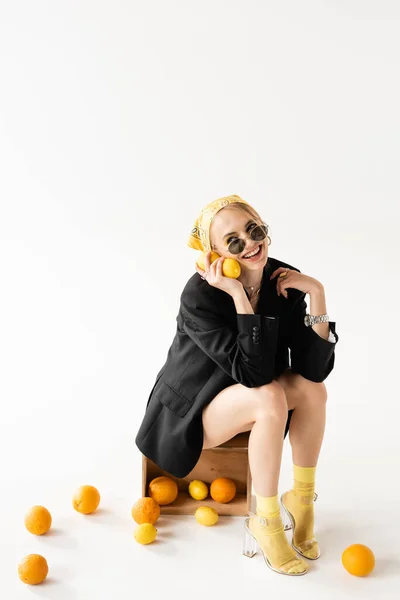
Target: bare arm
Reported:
point(242, 303)
point(318, 307)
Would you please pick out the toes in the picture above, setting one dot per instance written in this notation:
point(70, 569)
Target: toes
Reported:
point(298, 567)
point(309, 549)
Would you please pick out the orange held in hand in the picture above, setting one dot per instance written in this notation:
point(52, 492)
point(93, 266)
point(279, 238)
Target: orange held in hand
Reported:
point(86, 499)
point(38, 520)
point(163, 490)
point(33, 569)
point(145, 510)
point(358, 560)
point(223, 490)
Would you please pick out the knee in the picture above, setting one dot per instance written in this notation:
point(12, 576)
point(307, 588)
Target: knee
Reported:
point(270, 400)
point(310, 391)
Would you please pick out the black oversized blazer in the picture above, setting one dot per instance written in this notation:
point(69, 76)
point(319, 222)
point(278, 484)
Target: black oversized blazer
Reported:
point(215, 347)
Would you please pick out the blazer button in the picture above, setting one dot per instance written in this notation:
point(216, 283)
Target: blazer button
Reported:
point(256, 328)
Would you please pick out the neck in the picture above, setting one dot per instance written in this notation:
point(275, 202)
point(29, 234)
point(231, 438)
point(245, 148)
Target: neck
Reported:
point(251, 278)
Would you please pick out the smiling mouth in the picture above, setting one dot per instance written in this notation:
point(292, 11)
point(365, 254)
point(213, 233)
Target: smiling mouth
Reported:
point(254, 255)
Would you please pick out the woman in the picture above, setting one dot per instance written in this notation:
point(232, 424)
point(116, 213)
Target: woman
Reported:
point(227, 371)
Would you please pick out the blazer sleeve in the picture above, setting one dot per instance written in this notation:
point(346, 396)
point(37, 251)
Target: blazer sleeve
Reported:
point(247, 353)
point(311, 355)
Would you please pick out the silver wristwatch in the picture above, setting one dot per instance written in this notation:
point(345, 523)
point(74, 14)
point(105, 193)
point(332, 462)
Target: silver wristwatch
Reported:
point(312, 319)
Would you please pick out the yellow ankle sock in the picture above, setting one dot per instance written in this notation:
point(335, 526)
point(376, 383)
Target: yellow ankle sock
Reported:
point(271, 536)
point(300, 503)
point(304, 484)
point(268, 506)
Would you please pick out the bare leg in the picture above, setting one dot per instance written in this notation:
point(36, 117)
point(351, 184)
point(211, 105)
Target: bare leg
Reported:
point(262, 410)
point(306, 433)
point(307, 425)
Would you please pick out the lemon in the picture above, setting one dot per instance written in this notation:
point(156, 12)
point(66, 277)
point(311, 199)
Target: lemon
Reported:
point(230, 266)
point(200, 260)
point(145, 533)
point(198, 489)
point(206, 515)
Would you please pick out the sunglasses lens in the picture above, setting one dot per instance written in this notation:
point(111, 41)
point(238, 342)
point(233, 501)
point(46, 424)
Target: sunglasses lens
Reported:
point(236, 247)
point(259, 233)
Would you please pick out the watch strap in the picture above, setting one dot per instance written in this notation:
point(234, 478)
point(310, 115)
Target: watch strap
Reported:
point(310, 320)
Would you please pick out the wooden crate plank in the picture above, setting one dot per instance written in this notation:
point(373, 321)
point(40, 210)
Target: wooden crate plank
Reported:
point(186, 505)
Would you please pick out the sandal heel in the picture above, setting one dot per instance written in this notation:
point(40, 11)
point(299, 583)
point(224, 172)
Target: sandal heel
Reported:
point(287, 524)
point(249, 543)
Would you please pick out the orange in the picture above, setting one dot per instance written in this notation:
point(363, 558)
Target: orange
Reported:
point(230, 266)
point(38, 520)
point(223, 490)
point(145, 510)
point(358, 560)
point(163, 490)
point(33, 569)
point(86, 499)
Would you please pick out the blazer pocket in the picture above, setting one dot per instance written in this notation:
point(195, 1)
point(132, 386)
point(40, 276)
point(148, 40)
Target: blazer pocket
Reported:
point(172, 399)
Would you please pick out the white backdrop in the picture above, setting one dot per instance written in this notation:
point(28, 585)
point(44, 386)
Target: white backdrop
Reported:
point(118, 122)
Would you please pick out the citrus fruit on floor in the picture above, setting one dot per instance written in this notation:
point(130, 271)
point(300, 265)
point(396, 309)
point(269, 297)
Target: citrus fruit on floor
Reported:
point(206, 515)
point(86, 499)
point(223, 490)
point(230, 266)
point(198, 489)
point(145, 533)
point(163, 490)
point(33, 569)
point(358, 560)
point(145, 510)
point(38, 520)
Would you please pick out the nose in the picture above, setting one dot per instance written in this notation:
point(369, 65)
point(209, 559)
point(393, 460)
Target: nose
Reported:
point(249, 242)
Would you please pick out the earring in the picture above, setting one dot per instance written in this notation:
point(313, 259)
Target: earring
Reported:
point(270, 242)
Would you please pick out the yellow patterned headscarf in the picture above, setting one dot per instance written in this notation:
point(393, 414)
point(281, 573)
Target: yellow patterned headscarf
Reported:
point(199, 238)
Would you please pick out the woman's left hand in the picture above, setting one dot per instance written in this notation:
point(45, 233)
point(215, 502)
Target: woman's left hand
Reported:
point(296, 280)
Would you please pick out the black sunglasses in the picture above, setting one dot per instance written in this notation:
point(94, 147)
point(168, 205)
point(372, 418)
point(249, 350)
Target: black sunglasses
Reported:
point(258, 233)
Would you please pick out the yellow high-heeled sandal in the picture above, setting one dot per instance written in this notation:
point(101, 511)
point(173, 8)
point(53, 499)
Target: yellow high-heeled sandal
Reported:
point(293, 528)
point(250, 545)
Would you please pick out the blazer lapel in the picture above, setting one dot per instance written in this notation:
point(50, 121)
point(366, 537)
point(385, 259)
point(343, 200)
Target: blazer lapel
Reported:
point(269, 303)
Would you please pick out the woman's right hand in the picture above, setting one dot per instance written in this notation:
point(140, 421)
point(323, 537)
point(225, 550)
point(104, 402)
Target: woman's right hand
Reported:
point(215, 277)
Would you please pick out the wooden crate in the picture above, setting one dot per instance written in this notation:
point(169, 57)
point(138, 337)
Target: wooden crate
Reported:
point(230, 459)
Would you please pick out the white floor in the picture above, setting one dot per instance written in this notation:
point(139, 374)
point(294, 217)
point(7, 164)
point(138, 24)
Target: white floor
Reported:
point(97, 556)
